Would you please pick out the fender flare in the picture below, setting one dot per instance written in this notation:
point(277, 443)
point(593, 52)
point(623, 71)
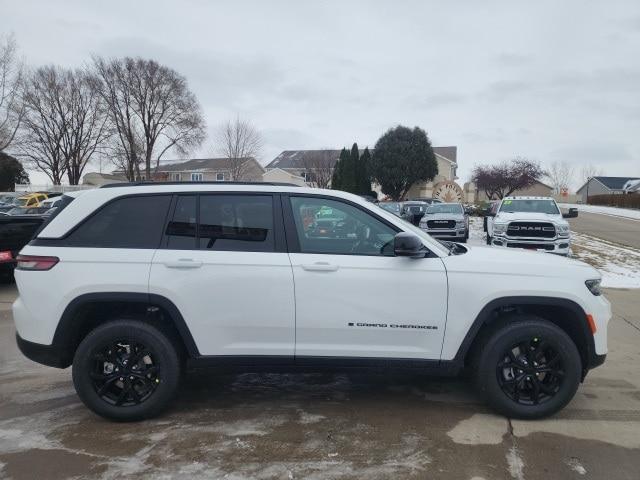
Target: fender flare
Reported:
point(485, 317)
point(67, 326)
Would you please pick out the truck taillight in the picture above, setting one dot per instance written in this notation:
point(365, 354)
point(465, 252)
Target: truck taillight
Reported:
point(5, 256)
point(35, 262)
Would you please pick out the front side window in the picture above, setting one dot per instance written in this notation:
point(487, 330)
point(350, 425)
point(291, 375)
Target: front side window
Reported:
point(334, 227)
point(130, 222)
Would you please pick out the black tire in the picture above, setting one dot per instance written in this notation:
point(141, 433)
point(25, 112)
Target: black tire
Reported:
point(148, 385)
point(496, 376)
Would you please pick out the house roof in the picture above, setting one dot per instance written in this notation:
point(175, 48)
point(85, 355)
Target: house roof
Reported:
point(612, 183)
point(300, 158)
point(198, 165)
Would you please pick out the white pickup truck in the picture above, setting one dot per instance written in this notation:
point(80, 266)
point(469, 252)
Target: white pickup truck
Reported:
point(534, 223)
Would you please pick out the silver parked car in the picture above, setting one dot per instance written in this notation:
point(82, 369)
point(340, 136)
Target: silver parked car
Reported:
point(446, 221)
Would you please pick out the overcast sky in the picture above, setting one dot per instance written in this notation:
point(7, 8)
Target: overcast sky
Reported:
point(548, 80)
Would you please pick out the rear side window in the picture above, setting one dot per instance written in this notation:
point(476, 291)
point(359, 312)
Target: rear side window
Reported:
point(241, 223)
point(182, 229)
point(236, 222)
point(130, 222)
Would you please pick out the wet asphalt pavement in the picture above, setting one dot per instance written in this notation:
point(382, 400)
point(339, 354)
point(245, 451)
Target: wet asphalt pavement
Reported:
point(325, 426)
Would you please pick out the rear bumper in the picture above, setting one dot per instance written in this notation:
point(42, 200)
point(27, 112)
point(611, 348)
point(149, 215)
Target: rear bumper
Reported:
point(49, 355)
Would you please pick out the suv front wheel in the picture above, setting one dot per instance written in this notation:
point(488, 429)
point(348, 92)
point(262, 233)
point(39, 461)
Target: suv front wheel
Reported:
point(527, 368)
point(126, 370)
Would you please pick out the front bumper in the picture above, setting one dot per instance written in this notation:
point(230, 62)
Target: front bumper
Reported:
point(449, 234)
point(559, 246)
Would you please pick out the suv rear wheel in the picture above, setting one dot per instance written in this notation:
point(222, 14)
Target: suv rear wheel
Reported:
point(126, 370)
point(527, 368)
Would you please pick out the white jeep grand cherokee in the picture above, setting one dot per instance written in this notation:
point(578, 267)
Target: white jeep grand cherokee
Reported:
point(130, 284)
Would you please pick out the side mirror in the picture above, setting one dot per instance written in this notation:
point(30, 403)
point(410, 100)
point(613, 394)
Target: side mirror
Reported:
point(406, 244)
point(572, 213)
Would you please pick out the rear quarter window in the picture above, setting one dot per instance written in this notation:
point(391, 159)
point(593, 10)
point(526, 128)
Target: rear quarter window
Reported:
point(129, 222)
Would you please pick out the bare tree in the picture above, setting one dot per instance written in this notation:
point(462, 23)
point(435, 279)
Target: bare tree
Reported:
point(64, 123)
point(238, 140)
point(42, 129)
point(560, 175)
point(589, 171)
point(86, 131)
point(502, 179)
point(151, 110)
point(319, 167)
point(11, 108)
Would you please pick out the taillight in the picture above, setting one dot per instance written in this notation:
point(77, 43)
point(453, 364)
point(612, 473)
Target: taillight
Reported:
point(35, 262)
point(6, 256)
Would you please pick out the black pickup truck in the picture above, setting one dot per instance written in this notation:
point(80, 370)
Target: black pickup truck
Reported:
point(15, 232)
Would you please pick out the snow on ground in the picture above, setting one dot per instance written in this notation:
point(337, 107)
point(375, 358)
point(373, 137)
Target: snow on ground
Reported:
point(612, 211)
point(618, 264)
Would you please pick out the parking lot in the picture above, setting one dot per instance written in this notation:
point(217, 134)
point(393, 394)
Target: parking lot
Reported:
point(287, 426)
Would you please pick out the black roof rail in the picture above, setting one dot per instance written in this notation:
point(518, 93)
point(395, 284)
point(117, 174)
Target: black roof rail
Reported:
point(146, 184)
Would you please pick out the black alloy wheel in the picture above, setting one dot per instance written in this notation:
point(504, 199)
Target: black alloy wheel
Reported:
point(530, 372)
point(124, 373)
point(127, 370)
point(526, 367)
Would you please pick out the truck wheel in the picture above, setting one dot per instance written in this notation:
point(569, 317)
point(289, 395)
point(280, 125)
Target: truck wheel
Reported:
point(126, 370)
point(527, 368)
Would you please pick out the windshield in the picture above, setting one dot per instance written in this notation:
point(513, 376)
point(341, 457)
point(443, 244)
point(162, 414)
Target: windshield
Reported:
point(444, 208)
point(530, 206)
point(390, 207)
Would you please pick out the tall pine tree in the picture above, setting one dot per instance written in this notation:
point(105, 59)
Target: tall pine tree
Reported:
point(338, 181)
point(364, 176)
point(352, 171)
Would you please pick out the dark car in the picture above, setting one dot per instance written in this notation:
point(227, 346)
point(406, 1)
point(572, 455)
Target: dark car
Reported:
point(413, 211)
point(393, 207)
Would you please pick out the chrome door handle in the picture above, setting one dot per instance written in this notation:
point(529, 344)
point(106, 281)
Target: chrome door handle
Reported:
point(183, 263)
point(320, 267)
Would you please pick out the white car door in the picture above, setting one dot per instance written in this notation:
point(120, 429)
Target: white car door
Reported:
point(354, 298)
point(228, 274)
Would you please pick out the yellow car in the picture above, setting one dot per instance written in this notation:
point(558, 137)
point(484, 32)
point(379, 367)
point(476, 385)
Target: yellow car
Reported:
point(31, 199)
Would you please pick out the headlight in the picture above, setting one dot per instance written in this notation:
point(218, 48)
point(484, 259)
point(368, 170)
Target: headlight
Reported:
point(563, 230)
point(460, 224)
point(499, 227)
point(594, 286)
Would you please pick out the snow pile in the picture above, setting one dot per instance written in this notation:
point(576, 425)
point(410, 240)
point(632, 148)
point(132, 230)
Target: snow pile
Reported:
point(618, 264)
point(612, 211)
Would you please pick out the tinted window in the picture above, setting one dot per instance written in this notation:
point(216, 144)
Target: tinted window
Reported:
point(236, 222)
point(132, 222)
point(329, 226)
point(182, 228)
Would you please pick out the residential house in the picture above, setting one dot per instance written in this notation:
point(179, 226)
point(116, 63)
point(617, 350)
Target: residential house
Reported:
point(208, 170)
point(308, 164)
point(604, 186)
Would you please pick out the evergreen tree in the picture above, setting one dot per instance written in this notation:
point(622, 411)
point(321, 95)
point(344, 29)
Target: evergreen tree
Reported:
point(338, 181)
point(353, 170)
point(364, 175)
point(402, 157)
